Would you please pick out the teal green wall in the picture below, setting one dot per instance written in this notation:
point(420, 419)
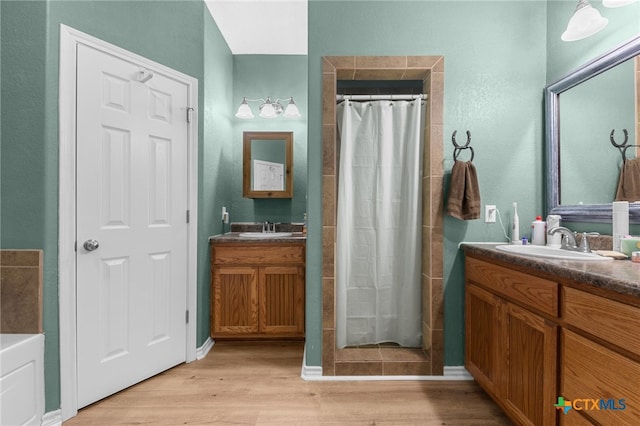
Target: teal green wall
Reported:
point(216, 159)
point(169, 32)
point(495, 64)
point(276, 76)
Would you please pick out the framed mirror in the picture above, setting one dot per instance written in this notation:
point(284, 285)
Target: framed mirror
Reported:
point(267, 165)
point(560, 154)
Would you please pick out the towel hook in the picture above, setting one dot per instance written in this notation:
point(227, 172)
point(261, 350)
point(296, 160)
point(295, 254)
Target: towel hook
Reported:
point(458, 148)
point(613, 141)
point(622, 147)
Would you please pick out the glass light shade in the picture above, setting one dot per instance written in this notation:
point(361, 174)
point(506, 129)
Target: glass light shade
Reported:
point(244, 111)
point(267, 110)
point(586, 21)
point(617, 3)
point(292, 110)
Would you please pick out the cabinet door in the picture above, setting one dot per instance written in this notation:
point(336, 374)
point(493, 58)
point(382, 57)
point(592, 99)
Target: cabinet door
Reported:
point(601, 376)
point(529, 389)
point(235, 301)
point(482, 338)
point(281, 290)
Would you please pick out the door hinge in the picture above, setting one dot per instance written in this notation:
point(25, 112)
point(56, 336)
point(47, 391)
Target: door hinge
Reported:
point(188, 216)
point(186, 316)
point(189, 114)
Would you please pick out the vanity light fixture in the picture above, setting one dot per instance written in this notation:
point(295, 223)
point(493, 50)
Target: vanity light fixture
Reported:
point(268, 108)
point(585, 22)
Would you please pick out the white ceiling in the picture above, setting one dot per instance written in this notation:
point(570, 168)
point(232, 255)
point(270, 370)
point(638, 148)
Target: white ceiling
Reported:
point(262, 27)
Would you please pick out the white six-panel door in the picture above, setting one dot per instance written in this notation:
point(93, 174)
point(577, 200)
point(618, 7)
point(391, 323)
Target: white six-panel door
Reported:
point(132, 156)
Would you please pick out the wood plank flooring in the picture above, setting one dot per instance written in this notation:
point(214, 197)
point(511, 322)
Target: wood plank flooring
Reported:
point(258, 383)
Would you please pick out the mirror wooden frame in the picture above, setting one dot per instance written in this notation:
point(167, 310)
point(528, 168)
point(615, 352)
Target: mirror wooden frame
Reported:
point(247, 139)
point(587, 212)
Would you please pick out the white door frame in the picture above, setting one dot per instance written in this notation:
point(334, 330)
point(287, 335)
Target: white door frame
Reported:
point(69, 39)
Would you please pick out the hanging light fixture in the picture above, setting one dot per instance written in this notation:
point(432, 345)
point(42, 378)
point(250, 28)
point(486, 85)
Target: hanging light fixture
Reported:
point(617, 3)
point(585, 22)
point(269, 108)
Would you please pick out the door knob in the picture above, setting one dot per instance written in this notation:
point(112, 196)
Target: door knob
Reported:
point(91, 245)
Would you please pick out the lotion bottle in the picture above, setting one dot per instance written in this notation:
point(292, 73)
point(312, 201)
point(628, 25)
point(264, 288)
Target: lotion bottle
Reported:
point(515, 229)
point(538, 231)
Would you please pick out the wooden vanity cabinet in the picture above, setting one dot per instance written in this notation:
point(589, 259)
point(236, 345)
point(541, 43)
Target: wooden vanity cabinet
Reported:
point(257, 290)
point(530, 340)
point(600, 357)
point(511, 339)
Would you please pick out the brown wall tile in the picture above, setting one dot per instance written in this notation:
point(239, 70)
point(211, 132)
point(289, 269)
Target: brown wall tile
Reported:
point(381, 62)
point(328, 303)
point(21, 291)
point(329, 149)
point(422, 368)
point(329, 200)
point(359, 368)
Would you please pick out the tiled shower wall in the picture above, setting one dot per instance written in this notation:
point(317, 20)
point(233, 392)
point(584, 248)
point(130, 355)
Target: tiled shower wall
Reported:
point(429, 69)
point(21, 291)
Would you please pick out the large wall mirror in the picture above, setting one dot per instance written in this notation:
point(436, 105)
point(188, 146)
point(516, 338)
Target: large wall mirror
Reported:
point(267, 165)
point(581, 110)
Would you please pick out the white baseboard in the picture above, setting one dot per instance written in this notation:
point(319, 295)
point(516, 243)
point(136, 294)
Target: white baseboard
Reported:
point(457, 372)
point(52, 418)
point(203, 350)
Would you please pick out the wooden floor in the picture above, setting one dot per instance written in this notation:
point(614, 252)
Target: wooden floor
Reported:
point(256, 383)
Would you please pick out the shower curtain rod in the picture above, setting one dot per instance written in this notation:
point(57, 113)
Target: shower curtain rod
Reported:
point(399, 97)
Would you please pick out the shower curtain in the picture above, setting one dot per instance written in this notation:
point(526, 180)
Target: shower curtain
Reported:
point(379, 238)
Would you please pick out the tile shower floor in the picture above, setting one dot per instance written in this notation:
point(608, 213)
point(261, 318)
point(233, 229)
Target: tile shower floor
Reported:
point(382, 360)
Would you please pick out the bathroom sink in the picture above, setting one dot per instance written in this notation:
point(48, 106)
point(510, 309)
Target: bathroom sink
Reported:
point(266, 234)
point(550, 252)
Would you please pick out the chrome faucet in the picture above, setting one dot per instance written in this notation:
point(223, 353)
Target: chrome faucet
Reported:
point(569, 240)
point(269, 227)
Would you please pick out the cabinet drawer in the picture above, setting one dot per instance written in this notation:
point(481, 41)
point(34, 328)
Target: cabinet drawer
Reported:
point(258, 254)
point(591, 371)
point(607, 319)
point(534, 292)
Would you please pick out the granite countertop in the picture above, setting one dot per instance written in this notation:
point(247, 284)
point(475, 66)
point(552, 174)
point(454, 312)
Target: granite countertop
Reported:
point(235, 238)
point(620, 276)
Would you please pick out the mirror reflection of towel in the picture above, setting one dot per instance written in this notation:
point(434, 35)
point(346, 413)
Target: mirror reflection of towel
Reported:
point(629, 182)
point(464, 192)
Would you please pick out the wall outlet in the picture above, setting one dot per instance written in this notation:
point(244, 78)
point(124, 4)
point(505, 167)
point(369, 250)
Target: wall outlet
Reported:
point(490, 213)
point(225, 215)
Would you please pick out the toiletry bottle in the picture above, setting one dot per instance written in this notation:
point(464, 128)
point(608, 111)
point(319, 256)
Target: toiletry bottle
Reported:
point(620, 222)
point(515, 228)
point(538, 232)
point(555, 240)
